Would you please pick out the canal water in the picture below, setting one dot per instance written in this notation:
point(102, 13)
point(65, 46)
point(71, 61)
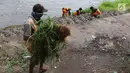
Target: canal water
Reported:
point(15, 12)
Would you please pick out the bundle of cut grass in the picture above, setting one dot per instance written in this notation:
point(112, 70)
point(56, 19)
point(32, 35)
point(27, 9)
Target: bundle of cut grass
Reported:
point(48, 40)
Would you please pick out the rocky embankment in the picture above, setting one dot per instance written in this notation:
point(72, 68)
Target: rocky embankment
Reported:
point(95, 46)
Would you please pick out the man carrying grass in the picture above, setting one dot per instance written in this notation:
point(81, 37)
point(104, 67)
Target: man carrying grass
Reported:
point(29, 28)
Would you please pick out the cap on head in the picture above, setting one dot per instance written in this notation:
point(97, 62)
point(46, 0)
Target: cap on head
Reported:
point(80, 8)
point(39, 8)
point(91, 8)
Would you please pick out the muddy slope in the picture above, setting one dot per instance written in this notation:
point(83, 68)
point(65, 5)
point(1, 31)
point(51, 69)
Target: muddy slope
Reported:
point(95, 46)
point(99, 46)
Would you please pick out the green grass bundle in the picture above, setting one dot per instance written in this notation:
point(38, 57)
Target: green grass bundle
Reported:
point(47, 40)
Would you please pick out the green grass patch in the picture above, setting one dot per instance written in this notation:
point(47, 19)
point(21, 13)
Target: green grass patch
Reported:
point(17, 60)
point(113, 5)
point(110, 5)
point(87, 10)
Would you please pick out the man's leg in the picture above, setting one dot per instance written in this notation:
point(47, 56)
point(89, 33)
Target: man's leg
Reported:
point(63, 15)
point(34, 60)
point(43, 68)
point(97, 16)
point(31, 65)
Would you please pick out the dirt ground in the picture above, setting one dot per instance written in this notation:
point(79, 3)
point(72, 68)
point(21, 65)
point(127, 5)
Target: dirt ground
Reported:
point(95, 46)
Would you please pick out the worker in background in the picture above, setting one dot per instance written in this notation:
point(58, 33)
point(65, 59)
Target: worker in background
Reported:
point(78, 12)
point(69, 11)
point(80, 9)
point(95, 12)
point(65, 12)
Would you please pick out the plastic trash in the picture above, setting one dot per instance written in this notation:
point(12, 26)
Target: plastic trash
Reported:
point(124, 38)
point(27, 57)
point(55, 67)
point(93, 36)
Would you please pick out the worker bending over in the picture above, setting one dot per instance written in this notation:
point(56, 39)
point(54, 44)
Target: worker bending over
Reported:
point(66, 12)
point(95, 12)
point(78, 12)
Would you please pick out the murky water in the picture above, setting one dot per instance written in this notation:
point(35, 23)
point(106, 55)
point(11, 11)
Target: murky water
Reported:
point(15, 12)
